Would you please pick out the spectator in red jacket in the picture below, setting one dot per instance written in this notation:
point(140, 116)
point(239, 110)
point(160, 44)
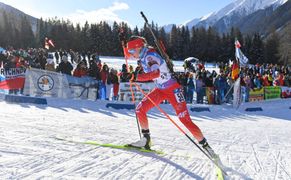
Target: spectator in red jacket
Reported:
point(81, 70)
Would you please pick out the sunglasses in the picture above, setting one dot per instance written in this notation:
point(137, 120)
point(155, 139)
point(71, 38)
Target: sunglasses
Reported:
point(131, 51)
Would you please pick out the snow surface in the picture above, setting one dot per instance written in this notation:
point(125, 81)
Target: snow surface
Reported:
point(252, 145)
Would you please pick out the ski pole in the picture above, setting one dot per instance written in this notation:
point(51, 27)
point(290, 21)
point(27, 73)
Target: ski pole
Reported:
point(181, 130)
point(123, 44)
point(133, 100)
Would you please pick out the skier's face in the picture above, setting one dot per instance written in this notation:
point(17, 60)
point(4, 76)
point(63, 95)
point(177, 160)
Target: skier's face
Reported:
point(134, 52)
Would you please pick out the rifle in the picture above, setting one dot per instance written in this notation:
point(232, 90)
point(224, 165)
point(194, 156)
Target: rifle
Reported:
point(160, 47)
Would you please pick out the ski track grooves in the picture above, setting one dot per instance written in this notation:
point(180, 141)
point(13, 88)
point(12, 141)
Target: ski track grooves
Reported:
point(122, 167)
point(39, 169)
point(261, 170)
point(276, 160)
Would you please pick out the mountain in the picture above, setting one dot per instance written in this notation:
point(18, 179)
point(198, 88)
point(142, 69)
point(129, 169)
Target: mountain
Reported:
point(15, 15)
point(168, 27)
point(235, 14)
point(267, 20)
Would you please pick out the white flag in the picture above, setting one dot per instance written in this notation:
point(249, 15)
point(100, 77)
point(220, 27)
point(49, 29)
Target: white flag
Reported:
point(243, 60)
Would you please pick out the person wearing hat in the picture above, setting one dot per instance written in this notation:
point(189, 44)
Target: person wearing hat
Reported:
point(65, 66)
point(167, 88)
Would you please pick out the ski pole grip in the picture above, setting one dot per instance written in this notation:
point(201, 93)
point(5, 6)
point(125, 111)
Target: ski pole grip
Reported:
point(145, 18)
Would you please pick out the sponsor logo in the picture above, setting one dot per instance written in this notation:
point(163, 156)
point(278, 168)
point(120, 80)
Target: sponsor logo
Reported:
point(182, 114)
point(45, 83)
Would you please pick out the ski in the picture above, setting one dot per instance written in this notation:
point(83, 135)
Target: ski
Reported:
point(219, 173)
point(124, 147)
point(114, 146)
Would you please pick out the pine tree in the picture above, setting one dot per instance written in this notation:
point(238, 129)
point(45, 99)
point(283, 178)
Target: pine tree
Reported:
point(27, 38)
point(256, 51)
point(185, 35)
point(285, 46)
point(271, 50)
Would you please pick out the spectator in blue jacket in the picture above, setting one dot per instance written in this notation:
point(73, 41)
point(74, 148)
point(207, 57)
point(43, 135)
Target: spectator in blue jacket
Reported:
point(190, 89)
point(199, 89)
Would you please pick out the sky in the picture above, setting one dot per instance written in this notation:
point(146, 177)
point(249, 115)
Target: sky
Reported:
point(162, 12)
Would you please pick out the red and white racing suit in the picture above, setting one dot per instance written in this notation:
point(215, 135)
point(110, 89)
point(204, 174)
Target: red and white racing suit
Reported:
point(167, 88)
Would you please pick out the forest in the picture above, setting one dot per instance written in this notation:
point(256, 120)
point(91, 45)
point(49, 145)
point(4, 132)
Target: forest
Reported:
point(103, 38)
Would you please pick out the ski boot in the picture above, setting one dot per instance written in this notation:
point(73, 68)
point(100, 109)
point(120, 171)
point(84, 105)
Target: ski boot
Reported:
point(144, 142)
point(208, 149)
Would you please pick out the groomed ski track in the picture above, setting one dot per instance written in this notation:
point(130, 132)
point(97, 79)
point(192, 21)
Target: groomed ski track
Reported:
point(252, 145)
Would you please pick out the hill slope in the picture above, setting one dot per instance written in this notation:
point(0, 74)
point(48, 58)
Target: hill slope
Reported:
point(14, 16)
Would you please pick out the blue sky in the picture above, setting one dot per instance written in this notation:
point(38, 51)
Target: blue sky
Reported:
point(161, 12)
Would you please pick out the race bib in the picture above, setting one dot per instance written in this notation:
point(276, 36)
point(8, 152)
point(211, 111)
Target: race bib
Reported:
point(179, 95)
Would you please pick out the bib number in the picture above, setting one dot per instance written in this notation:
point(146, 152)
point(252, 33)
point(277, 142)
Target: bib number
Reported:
point(179, 95)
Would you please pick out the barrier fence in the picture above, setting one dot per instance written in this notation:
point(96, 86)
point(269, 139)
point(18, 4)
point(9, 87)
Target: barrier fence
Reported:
point(41, 83)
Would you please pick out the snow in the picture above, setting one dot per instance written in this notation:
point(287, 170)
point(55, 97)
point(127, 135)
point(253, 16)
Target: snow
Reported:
point(238, 7)
point(252, 145)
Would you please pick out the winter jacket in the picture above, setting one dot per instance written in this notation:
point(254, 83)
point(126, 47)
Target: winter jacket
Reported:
point(65, 68)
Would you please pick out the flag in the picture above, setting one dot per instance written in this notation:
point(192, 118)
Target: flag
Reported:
point(243, 60)
point(235, 71)
point(237, 44)
point(48, 43)
point(240, 57)
point(51, 43)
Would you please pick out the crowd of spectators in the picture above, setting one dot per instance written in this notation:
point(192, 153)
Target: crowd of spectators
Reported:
point(220, 83)
point(196, 82)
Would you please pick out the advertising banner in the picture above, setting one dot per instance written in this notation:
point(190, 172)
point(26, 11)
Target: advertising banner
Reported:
point(125, 93)
point(42, 83)
point(272, 92)
point(286, 92)
point(12, 78)
point(256, 95)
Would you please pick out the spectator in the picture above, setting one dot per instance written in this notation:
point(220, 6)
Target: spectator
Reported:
point(22, 63)
point(11, 62)
point(50, 65)
point(93, 69)
point(65, 66)
point(109, 84)
point(138, 69)
point(199, 89)
point(287, 80)
point(248, 87)
point(190, 89)
point(265, 81)
point(115, 82)
point(104, 75)
point(57, 57)
point(257, 81)
point(124, 75)
point(81, 70)
point(270, 78)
